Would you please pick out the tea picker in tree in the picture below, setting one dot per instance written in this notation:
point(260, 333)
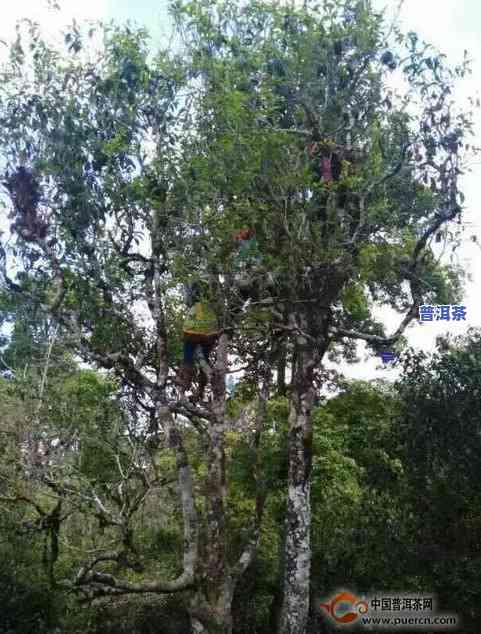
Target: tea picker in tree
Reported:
point(245, 260)
point(200, 330)
point(251, 278)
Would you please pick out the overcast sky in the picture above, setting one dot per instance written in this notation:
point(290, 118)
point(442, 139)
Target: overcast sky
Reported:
point(451, 25)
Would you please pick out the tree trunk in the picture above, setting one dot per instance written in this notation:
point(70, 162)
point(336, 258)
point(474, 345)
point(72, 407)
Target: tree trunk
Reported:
point(210, 611)
point(297, 560)
point(211, 607)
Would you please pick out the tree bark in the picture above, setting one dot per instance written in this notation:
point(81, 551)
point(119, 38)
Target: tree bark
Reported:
point(211, 607)
point(297, 559)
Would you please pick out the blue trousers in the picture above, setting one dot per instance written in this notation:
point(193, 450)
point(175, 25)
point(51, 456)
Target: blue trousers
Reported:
point(190, 346)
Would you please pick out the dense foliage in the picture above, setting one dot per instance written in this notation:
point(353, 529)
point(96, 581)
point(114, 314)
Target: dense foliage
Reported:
point(130, 489)
point(395, 498)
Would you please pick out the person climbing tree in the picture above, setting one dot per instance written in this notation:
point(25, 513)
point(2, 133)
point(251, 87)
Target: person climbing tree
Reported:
point(327, 160)
point(200, 329)
point(246, 264)
point(333, 165)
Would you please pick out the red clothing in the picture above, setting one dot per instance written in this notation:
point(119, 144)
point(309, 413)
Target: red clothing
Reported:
point(244, 234)
point(326, 169)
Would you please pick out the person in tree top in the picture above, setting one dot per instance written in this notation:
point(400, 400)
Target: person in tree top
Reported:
point(246, 262)
point(247, 244)
point(327, 158)
point(201, 329)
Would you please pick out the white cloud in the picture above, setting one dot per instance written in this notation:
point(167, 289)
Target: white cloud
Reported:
point(50, 19)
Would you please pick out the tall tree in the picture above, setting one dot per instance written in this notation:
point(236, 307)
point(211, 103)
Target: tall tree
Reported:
point(349, 185)
point(96, 175)
point(129, 175)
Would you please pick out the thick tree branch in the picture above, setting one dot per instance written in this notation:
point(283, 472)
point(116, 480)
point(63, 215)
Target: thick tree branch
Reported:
point(183, 582)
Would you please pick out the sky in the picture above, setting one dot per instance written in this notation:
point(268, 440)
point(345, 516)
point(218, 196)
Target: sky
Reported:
point(450, 25)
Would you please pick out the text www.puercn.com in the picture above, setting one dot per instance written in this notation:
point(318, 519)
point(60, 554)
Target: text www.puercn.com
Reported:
point(449, 621)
